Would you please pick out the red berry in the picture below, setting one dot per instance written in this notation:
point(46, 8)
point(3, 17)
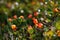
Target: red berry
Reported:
point(40, 25)
point(15, 16)
point(35, 13)
point(35, 21)
point(30, 16)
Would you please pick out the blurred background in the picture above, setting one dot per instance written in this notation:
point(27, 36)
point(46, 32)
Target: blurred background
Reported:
point(29, 19)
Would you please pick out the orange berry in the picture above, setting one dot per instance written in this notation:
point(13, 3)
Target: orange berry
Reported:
point(33, 3)
point(13, 27)
point(9, 19)
point(36, 24)
point(22, 17)
point(58, 34)
point(29, 27)
point(58, 31)
point(55, 10)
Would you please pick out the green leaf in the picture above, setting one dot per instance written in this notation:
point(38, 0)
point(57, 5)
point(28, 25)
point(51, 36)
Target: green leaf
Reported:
point(58, 25)
point(32, 36)
point(31, 31)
